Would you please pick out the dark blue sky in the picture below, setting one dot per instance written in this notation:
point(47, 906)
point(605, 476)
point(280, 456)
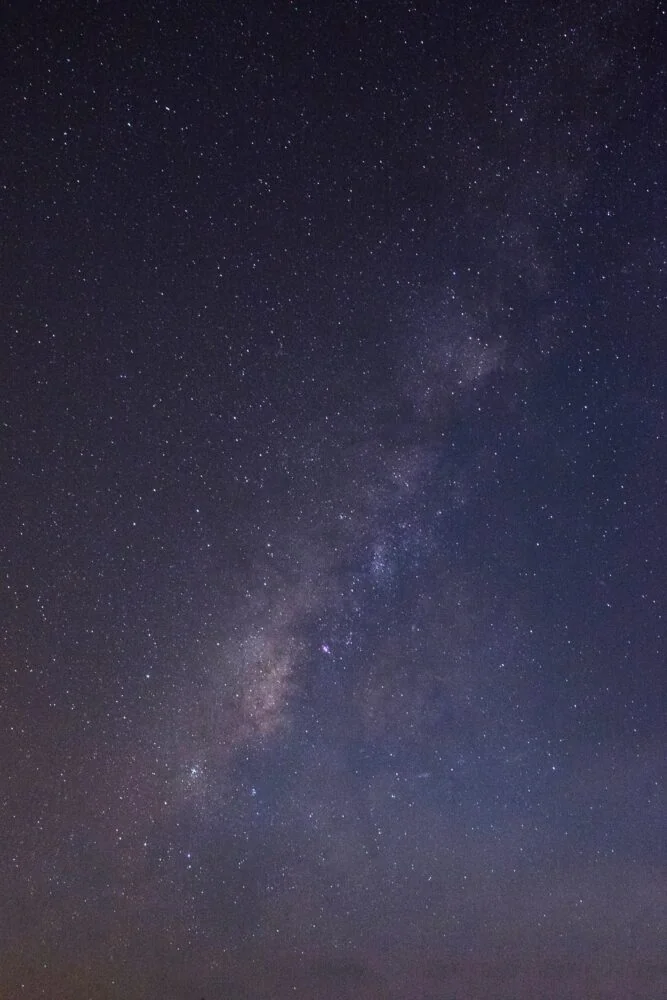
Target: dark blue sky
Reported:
point(332, 487)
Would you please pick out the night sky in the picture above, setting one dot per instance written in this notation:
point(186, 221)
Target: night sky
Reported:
point(332, 507)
